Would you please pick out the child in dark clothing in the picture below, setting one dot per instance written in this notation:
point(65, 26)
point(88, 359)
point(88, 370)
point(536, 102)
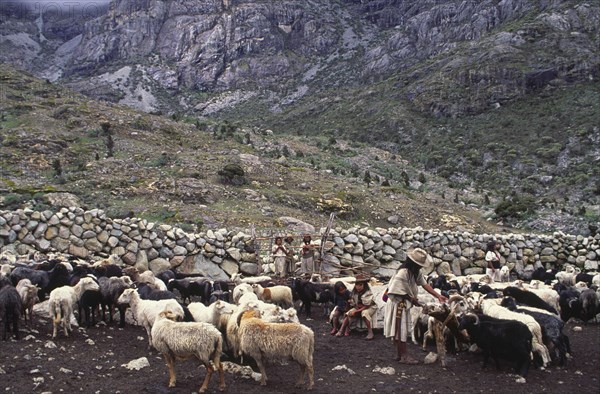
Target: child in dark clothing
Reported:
point(340, 300)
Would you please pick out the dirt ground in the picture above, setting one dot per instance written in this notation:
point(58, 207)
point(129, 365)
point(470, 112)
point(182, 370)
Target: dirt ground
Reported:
point(91, 361)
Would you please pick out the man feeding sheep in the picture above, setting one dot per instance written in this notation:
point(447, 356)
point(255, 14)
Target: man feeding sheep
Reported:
point(402, 295)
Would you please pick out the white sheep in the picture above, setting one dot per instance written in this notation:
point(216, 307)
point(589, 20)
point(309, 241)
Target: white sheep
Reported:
point(231, 330)
point(5, 270)
point(551, 296)
point(62, 300)
point(29, 297)
point(152, 281)
point(567, 278)
point(491, 308)
point(237, 279)
point(247, 297)
point(179, 340)
point(504, 274)
point(145, 311)
point(596, 280)
point(240, 290)
point(267, 342)
point(211, 314)
point(281, 295)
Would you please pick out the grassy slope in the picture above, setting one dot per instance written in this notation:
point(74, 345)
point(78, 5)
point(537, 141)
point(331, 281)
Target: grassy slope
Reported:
point(167, 171)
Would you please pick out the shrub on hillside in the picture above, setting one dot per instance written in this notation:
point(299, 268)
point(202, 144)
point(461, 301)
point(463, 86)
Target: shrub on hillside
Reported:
point(233, 174)
point(515, 207)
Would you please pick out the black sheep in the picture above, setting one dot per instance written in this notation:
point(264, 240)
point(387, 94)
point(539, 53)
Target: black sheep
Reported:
point(166, 276)
point(10, 310)
point(45, 280)
point(88, 306)
point(589, 305)
point(147, 292)
point(192, 286)
point(552, 329)
point(486, 290)
point(111, 289)
point(543, 275)
point(309, 292)
point(498, 338)
point(570, 304)
point(583, 277)
point(528, 298)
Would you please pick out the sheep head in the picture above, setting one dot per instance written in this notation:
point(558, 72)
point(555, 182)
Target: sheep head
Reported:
point(169, 315)
point(248, 314)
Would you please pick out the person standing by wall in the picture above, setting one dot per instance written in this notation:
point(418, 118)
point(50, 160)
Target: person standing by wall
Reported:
point(492, 257)
point(279, 253)
point(402, 295)
point(307, 255)
point(289, 258)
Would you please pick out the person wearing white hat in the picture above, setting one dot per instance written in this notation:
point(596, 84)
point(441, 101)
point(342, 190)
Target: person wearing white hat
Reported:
point(402, 295)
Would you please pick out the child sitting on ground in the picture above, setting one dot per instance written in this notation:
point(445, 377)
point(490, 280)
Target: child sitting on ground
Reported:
point(363, 306)
point(340, 300)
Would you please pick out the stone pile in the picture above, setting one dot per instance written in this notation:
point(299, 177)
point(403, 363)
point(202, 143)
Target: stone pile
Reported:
point(221, 253)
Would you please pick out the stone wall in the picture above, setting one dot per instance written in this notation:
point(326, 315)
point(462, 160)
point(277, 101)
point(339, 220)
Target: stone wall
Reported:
point(221, 253)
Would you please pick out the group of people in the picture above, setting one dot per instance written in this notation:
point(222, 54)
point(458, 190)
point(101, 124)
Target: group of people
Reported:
point(402, 294)
point(283, 256)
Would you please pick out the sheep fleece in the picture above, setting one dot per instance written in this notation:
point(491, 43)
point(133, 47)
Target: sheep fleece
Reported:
point(278, 341)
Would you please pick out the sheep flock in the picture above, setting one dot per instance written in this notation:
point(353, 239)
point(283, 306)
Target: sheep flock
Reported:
point(519, 324)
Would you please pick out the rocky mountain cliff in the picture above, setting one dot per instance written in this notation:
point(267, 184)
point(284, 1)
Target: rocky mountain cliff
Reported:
point(486, 94)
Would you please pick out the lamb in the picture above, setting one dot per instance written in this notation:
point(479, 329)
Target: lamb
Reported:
point(528, 298)
point(62, 301)
point(145, 311)
point(111, 289)
point(500, 338)
point(29, 297)
point(491, 308)
point(184, 340)
point(281, 295)
point(504, 274)
point(276, 341)
point(10, 310)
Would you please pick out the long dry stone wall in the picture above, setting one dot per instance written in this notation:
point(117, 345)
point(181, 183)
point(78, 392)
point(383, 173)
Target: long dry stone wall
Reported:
point(221, 253)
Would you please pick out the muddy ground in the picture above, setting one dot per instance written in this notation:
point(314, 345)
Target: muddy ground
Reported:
point(92, 360)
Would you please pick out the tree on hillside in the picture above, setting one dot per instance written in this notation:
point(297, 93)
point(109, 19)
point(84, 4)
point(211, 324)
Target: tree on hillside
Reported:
point(367, 178)
point(405, 178)
point(110, 144)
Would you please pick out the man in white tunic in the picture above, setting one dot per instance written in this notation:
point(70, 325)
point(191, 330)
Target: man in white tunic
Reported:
point(402, 295)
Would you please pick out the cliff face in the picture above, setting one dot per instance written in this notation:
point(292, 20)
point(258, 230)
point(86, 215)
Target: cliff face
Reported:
point(503, 49)
point(212, 44)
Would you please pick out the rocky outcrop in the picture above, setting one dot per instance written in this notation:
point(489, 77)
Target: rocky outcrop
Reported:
point(221, 253)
